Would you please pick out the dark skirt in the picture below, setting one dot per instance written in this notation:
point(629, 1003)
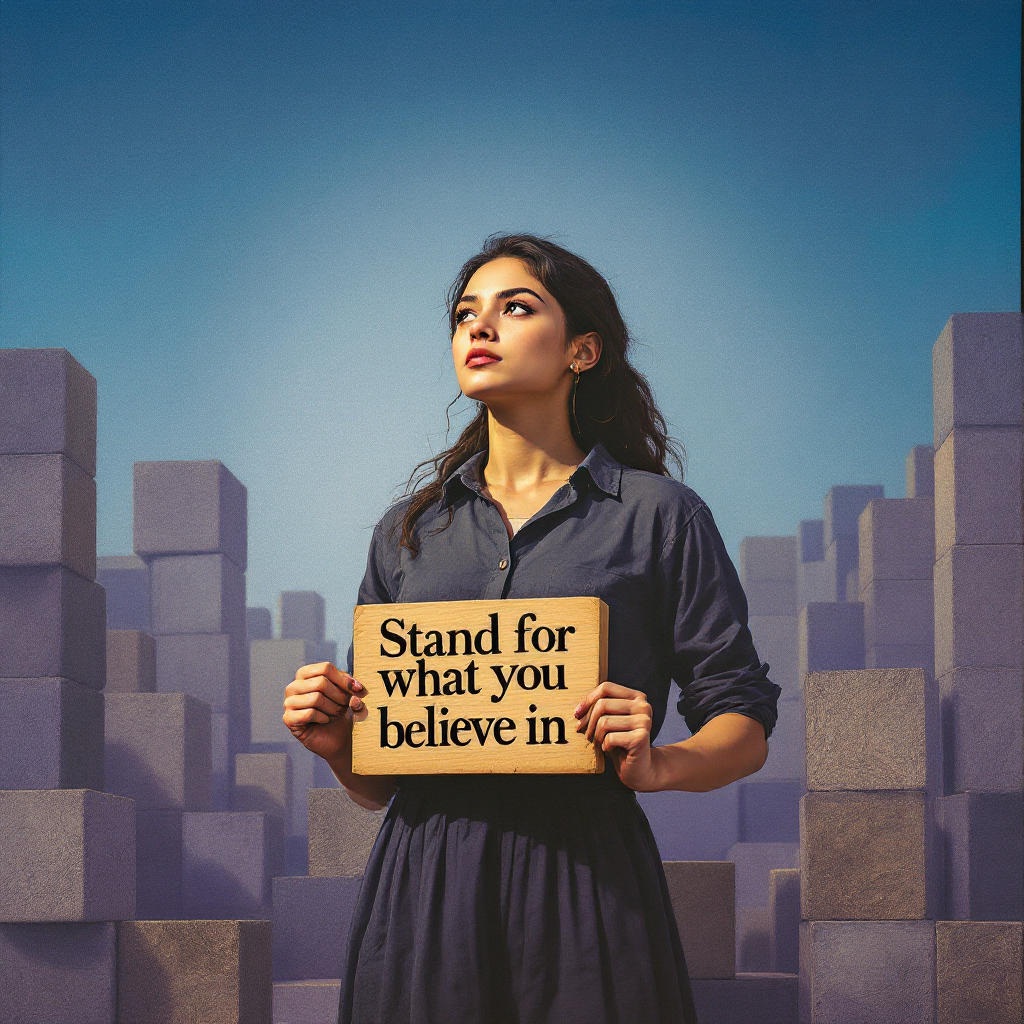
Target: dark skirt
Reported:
point(492, 899)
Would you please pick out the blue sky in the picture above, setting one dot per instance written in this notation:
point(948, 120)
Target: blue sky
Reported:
point(242, 220)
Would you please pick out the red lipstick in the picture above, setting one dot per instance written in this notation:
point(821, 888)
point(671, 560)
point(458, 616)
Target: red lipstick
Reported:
point(479, 356)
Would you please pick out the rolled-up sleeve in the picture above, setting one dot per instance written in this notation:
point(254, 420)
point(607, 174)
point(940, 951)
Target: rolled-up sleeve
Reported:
point(713, 659)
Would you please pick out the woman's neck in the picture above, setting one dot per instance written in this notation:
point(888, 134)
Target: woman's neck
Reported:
point(527, 452)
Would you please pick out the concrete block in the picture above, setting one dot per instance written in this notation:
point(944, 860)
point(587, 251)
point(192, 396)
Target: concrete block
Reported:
point(259, 624)
point(51, 735)
point(813, 584)
point(982, 726)
point(840, 562)
point(693, 826)
point(978, 607)
point(868, 857)
point(307, 1002)
point(901, 656)
point(976, 373)
point(767, 558)
point(58, 973)
point(897, 540)
point(775, 640)
point(301, 613)
point(341, 833)
point(228, 860)
point(197, 594)
point(764, 998)
point(325, 650)
point(703, 897)
point(158, 863)
point(311, 924)
point(222, 756)
point(52, 625)
point(323, 777)
point(303, 764)
point(920, 472)
point(867, 972)
point(852, 582)
point(66, 855)
point(787, 747)
point(272, 666)
point(126, 581)
point(754, 862)
point(263, 782)
point(899, 613)
point(181, 972)
point(830, 635)
point(771, 597)
point(979, 967)
point(784, 920)
point(47, 513)
point(158, 749)
point(810, 540)
point(753, 945)
point(212, 667)
point(978, 487)
point(190, 508)
point(769, 811)
point(984, 853)
point(131, 662)
point(47, 406)
point(843, 506)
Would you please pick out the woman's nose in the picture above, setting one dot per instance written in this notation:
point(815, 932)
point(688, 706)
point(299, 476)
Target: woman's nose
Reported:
point(481, 330)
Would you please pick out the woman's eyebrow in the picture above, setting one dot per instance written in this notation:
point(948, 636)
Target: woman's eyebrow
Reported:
point(506, 294)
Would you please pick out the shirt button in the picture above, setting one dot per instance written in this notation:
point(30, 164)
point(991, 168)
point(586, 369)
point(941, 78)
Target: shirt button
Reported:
point(503, 564)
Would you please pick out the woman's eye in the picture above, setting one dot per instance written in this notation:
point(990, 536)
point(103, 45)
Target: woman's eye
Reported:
point(462, 314)
point(522, 305)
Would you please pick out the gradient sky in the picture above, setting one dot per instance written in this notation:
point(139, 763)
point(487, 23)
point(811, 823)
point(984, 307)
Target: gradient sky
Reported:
point(242, 218)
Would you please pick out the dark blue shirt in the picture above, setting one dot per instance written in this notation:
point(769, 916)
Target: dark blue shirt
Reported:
point(646, 544)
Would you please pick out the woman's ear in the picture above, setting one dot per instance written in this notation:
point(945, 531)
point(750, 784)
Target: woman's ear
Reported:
point(587, 350)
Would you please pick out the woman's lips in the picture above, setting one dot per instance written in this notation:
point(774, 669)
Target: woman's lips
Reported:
point(481, 359)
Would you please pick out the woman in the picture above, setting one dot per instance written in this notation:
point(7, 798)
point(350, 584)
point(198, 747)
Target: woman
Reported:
point(541, 898)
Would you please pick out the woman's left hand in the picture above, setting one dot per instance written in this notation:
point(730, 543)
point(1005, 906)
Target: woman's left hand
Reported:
point(618, 720)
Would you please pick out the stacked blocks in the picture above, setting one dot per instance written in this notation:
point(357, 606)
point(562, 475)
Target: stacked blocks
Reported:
point(830, 635)
point(978, 972)
point(784, 920)
point(812, 577)
point(259, 624)
point(131, 661)
point(693, 826)
point(921, 472)
point(843, 506)
point(341, 834)
point(302, 614)
point(126, 581)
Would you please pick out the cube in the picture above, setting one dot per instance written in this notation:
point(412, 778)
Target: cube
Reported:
point(66, 855)
point(303, 765)
point(223, 747)
point(158, 863)
point(307, 1002)
point(769, 811)
point(898, 613)
point(312, 917)
point(302, 615)
point(810, 540)
point(126, 581)
point(765, 998)
point(843, 506)
point(978, 972)
point(901, 656)
point(212, 667)
point(190, 508)
point(784, 920)
point(263, 782)
point(897, 540)
point(841, 562)
point(771, 597)
point(813, 584)
point(767, 558)
point(693, 826)
point(197, 594)
point(341, 833)
point(259, 624)
point(786, 745)
point(272, 666)
point(753, 946)
point(131, 661)
point(830, 635)
point(920, 472)
point(754, 862)
point(703, 895)
point(775, 637)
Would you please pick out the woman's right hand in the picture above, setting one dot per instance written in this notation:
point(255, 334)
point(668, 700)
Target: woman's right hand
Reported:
point(319, 705)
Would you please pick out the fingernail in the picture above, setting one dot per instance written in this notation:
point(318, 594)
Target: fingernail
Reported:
point(579, 709)
point(356, 685)
point(356, 703)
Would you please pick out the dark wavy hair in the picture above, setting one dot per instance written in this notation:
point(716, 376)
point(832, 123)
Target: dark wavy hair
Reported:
point(614, 404)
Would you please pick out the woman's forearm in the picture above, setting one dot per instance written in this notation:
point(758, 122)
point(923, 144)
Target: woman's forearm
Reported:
point(729, 747)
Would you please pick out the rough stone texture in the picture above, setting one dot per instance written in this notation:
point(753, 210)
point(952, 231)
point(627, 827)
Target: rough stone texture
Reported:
point(784, 920)
point(126, 581)
point(979, 967)
point(131, 661)
point(978, 607)
point(767, 558)
point(976, 373)
point(311, 923)
point(197, 594)
point(51, 735)
point(272, 666)
point(984, 854)
point(52, 625)
point(259, 624)
point(897, 540)
point(867, 972)
point(840, 563)
point(693, 826)
point(921, 472)
point(753, 942)
point(47, 513)
point(810, 540)
point(754, 862)
point(307, 1002)
point(184, 972)
point(66, 855)
point(263, 782)
point(843, 506)
point(769, 811)
point(764, 998)
point(813, 584)
point(786, 746)
point(58, 973)
point(703, 897)
point(190, 508)
point(158, 749)
point(775, 640)
point(47, 406)
point(341, 833)
point(830, 635)
point(868, 857)
point(868, 729)
point(158, 863)
point(212, 667)
point(301, 613)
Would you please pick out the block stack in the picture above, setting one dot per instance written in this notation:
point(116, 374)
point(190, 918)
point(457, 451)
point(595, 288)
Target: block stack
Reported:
point(843, 506)
point(812, 575)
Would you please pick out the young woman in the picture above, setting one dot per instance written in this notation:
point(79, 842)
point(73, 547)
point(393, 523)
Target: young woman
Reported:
point(541, 899)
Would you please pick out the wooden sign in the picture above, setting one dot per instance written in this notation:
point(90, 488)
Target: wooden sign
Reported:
point(477, 686)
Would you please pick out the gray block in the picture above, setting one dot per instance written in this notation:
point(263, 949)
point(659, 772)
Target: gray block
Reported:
point(753, 944)
point(228, 860)
point(197, 594)
point(784, 920)
point(66, 855)
point(323, 777)
point(764, 998)
point(769, 811)
point(978, 607)
point(158, 749)
point(984, 853)
point(771, 597)
point(810, 540)
point(843, 506)
point(259, 624)
point(341, 833)
point(325, 650)
point(263, 782)
point(830, 635)
point(976, 373)
point(767, 558)
point(693, 826)
point(813, 584)
point(302, 615)
point(47, 406)
point(851, 585)
point(303, 764)
point(181, 972)
point(978, 487)
point(978, 972)
point(897, 540)
point(126, 581)
point(775, 639)
point(47, 513)
point(901, 656)
point(703, 895)
point(158, 863)
point(787, 746)
point(51, 735)
point(311, 925)
point(52, 624)
point(921, 472)
point(58, 973)
point(307, 1002)
point(840, 563)
point(899, 613)
point(868, 857)
point(131, 662)
point(272, 666)
point(190, 508)
point(212, 667)
point(222, 758)
point(867, 972)
point(754, 862)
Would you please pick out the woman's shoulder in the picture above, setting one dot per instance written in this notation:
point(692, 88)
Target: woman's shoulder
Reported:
point(671, 499)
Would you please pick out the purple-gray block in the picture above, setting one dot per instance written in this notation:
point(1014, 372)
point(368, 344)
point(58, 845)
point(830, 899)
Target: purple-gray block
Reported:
point(341, 833)
point(769, 811)
point(51, 735)
point(747, 998)
point(58, 973)
point(47, 513)
point(197, 594)
point(703, 895)
point(66, 855)
point(753, 863)
point(47, 406)
point(767, 558)
point(272, 666)
point(784, 919)
point(843, 506)
point(212, 667)
point(158, 749)
point(810, 540)
point(131, 661)
point(126, 581)
point(753, 945)
point(771, 597)
point(899, 613)
point(52, 625)
point(976, 373)
point(158, 863)
point(311, 924)
point(812, 583)
point(325, 650)
point(984, 850)
point(830, 636)
point(840, 562)
point(775, 639)
point(259, 624)
point(263, 782)
point(225, 741)
point(978, 976)
point(787, 747)
point(897, 540)
point(693, 826)
point(302, 615)
point(921, 472)
point(307, 1002)
point(189, 508)
point(228, 861)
